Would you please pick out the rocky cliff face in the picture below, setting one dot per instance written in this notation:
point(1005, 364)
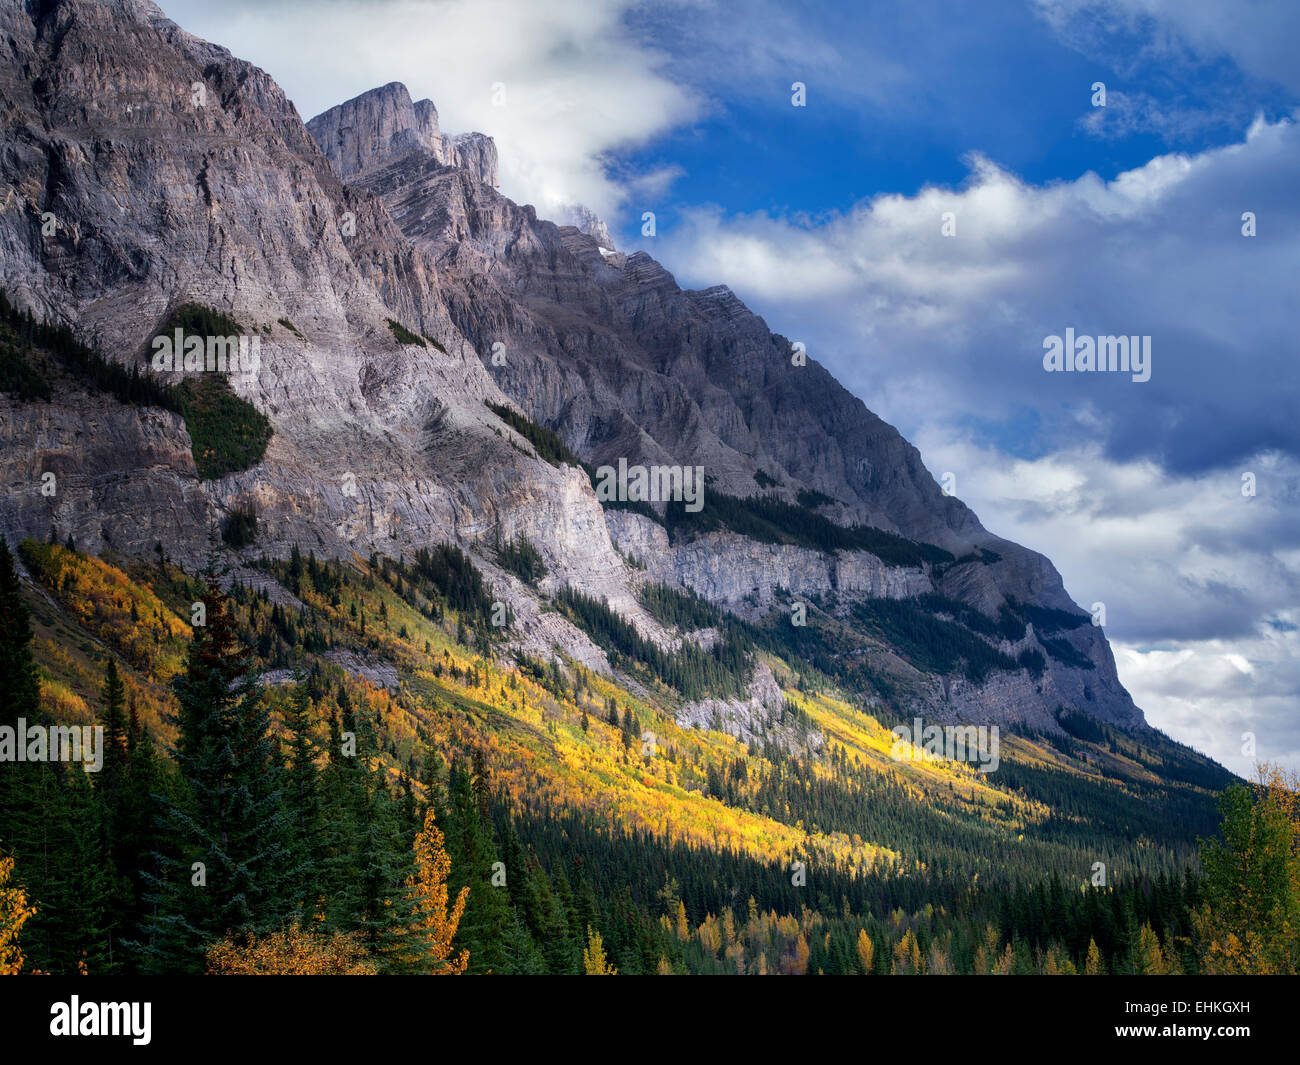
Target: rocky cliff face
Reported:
point(177, 172)
point(748, 577)
point(384, 124)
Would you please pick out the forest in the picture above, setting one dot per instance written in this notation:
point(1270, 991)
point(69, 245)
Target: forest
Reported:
point(499, 815)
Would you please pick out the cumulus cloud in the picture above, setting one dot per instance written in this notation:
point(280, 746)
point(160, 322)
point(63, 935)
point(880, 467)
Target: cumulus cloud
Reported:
point(1200, 581)
point(1234, 700)
point(899, 310)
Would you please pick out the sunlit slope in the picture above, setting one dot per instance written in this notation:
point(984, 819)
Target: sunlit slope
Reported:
point(558, 737)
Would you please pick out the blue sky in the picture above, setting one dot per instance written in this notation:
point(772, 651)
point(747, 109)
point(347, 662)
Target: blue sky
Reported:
point(1004, 84)
point(825, 219)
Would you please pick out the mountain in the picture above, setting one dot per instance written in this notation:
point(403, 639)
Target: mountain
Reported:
point(438, 366)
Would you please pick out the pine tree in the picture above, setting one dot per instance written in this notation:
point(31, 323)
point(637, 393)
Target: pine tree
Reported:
point(66, 867)
point(19, 699)
point(302, 798)
point(19, 686)
point(231, 828)
point(365, 854)
point(139, 842)
point(523, 956)
point(115, 728)
point(488, 913)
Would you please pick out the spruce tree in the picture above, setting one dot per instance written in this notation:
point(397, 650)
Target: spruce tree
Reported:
point(302, 797)
point(115, 729)
point(230, 827)
point(19, 699)
point(365, 855)
point(488, 914)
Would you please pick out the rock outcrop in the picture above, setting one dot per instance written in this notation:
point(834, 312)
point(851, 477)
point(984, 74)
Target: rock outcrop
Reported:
point(384, 124)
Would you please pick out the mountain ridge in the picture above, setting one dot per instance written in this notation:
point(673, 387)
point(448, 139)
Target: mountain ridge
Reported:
point(237, 207)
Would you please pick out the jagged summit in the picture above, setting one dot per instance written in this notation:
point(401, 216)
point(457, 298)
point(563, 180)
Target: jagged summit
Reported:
point(384, 123)
point(587, 221)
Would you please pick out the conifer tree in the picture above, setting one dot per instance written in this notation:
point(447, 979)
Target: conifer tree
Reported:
point(230, 827)
point(19, 699)
point(19, 686)
point(488, 913)
point(302, 798)
point(139, 840)
point(115, 728)
point(523, 956)
point(365, 854)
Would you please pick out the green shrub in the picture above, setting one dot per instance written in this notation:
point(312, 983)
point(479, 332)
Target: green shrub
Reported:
point(404, 335)
point(227, 433)
point(240, 528)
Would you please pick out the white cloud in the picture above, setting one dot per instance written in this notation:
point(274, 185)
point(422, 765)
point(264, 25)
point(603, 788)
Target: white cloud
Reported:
point(1259, 37)
point(577, 85)
point(1157, 251)
point(1202, 628)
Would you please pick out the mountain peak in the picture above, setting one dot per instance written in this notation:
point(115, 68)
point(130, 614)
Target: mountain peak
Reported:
point(381, 124)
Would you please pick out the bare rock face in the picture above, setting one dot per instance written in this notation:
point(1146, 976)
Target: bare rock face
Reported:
point(384, 124)
point(748, 577)
point(475, 152)
point(376, 125)
point(758, 719)
point(587, 222)
point(83, 444)
point(177, 172)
